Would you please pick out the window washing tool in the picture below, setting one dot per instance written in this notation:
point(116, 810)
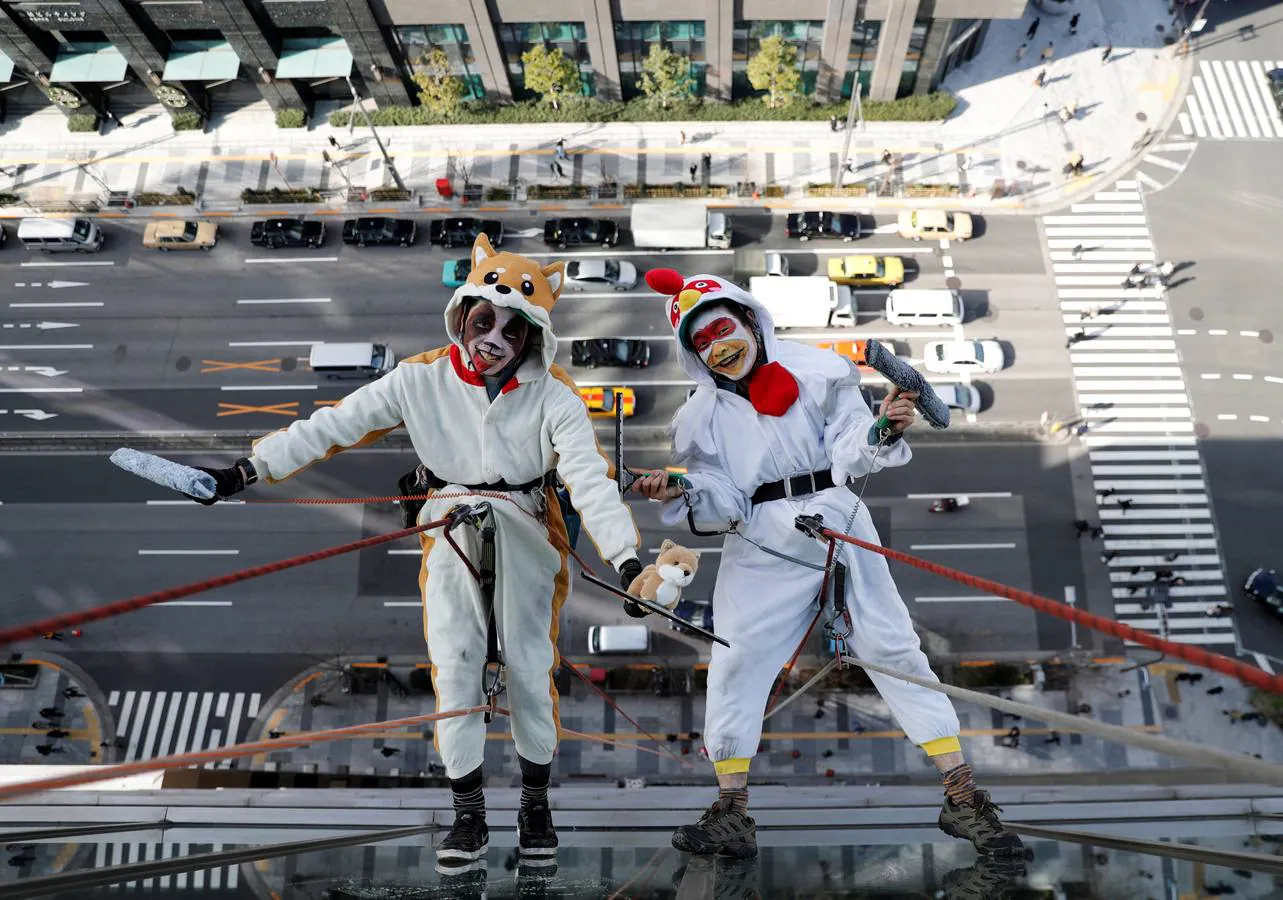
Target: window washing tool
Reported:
point(166, 473)
point(906, 378)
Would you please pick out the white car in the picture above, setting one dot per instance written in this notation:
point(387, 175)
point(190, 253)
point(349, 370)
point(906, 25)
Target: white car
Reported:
point(959, 396)
point(956, 357)
point(585, 274)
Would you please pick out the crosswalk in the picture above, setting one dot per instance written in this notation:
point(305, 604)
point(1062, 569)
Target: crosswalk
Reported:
point(1136, 420)
point(161, 723)
point(122, 853)
point(1231, 99)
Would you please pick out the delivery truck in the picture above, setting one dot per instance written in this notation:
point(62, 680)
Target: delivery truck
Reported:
point(669, 225)
point(806, 301)
point(751, 261)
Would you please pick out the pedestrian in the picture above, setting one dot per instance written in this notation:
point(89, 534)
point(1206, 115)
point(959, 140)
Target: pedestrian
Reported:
point(46, 749)
point(1162, 574)
point(1090, 312)
point(1108, 492)
point(833, 123)
point(827, 754)
point(796, 754)
point(561, 150)
point(1082, 526)
point(1074, 338)
point(1125, 505)
point(1077, 252)
point(51, 712)
point(1049, 51)
point(1124, 693)
point(71, 693)
point(1083, 709)
point(1219, 611)
point(56, 733)
point(819, 714)
point(1021, 51)
point(1196, 677)
point(42, 726)
point(1073, 25)
point(1033, 29)
point(707, 160)
point(389, 751)
point(1069, 111)
point(1107, 52)
point(693, 170)
point(1053, 737)
point(334, 142)
point(1131, 591)
point(683, 134)
point(558, 170)
point(1219, 689)
point(1173, 556)
point(1135, 570)
point(1167, 269)
point(1178, 581)
point(318, 700)
point(274, 735)
point(887, 157)
point(1041, 78)
point(695, 735)
point(1108, 555)
point(1252, 717)
point(1097, 532)
point(53, 636)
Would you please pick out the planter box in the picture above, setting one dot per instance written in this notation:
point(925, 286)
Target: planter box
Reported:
point(305, 195)
point(828, 190)
point(499, 194)
point(391, 195)
point(672, 191)
point(557, 192)
point(152, 198)
point(931, 190)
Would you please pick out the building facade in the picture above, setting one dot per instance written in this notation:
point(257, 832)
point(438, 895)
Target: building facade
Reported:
point(116, 55)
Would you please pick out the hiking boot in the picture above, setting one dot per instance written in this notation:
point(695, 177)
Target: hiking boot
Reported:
point(721, 830)
point(980, 825)
point(985, 880)
point(535, 835)
point(464, 848)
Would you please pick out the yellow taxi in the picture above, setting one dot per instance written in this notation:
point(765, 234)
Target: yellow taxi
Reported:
point(601, 401)
point(861, 270)
point(852, 350)
point(177, 234)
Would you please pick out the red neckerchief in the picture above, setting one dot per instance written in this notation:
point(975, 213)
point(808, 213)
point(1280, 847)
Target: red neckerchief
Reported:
point(772, 389)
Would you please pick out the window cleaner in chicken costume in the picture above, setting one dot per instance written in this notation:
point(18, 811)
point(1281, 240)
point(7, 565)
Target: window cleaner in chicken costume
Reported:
point(776, 429)
point(490, 412)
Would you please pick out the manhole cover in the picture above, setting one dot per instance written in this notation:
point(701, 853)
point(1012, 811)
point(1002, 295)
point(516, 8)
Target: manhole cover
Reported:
point(1201, 430)
point(289, 363)
point(953, 283)
point(1195, 314)
point(1021, 165)
point(1141, 117)
point(183, 363)
point(1266, 337)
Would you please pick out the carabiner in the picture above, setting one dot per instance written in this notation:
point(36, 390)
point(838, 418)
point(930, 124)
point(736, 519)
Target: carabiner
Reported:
point(492, 686)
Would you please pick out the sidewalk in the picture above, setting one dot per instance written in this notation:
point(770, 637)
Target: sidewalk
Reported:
point(1004, 147)
point(60, 685)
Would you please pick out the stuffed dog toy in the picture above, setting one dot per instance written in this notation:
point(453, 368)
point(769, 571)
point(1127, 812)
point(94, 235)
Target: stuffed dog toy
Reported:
point(662, 581)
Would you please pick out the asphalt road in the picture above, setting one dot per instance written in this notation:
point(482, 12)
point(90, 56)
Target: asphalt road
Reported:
point(137, 340)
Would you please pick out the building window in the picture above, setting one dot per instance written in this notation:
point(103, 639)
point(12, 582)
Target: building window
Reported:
point(913, 59)
point(633, 41)
point(861, 56)
point(570, 37)
point(417, 40)
point(747, 37)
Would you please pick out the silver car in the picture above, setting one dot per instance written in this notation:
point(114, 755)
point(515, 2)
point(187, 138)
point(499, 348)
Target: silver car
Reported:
point(586, 274)
point(959, 396)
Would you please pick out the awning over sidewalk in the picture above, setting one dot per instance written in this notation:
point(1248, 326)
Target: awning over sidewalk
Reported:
point(202, 61)
point(6, 68)
point(314, 58)
point(100, 63)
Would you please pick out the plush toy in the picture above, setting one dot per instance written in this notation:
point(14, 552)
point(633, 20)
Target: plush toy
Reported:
point(662, 581)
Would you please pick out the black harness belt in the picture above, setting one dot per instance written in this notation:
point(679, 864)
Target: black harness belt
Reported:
point(794, 486)
point(548, 478)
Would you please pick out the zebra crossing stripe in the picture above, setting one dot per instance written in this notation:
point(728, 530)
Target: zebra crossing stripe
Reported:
point(109, 854)
point(163, 723)
point(1232, 99)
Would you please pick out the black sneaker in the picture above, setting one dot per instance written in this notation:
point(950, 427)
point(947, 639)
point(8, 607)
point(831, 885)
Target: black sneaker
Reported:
point(464, 848)
point(987, 879)
point(722, 831)
point(535, 835)
point(979, 824)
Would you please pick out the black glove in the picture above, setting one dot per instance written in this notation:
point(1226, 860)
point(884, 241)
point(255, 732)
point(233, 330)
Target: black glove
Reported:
point(410, 484)
point(628, 573)
point(229, 481)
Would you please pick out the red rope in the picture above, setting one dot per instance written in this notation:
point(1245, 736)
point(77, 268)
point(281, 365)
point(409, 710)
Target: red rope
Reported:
point(106, 611)
point(1199, 657)
point(605, 696)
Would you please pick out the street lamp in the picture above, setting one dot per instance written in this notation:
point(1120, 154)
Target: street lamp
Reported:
point(854, 112)
point(387, 160)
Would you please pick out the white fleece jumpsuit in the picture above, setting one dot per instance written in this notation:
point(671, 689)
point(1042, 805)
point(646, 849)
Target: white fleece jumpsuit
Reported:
point(537, 423)
point(763, 605)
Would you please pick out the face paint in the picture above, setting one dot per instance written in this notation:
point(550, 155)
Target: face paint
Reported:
point(724, 343)
point(493, 336)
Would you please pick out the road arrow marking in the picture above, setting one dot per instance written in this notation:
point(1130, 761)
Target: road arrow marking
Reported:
point(67, 284)
point(36, 415)
point(47, 371)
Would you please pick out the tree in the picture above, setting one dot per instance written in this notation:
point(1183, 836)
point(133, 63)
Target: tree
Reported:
point(665, 77)
point(775, 70)
point(440, 90)
point(550, 73)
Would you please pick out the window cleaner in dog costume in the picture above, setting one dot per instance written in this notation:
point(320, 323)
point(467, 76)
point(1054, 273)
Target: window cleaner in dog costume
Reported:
point(488, 413)
point(776, 429)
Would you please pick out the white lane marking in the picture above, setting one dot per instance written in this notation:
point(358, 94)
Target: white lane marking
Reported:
point(1264, 662)
point(291, 259)
point(1136, 514)
point(1089, 208)
point(222, 704)
point(1145, 484)
point(196, 603)
point(147, 749)
point(1259, 418)
point(47, 305)
point(251, 711)
point(962, 546)
point(171, 719)
point(1190, 528)
point(1219, 332)
point(189, 503)
point(1210, 376)
point(46, 346)
point(198, 737)
point(288, 300)
point(962, 599)
point(1123, 399)
point(1161, 161)
point(269, 387)
point(1093, 220)
point(1274, 379)
point(1226, 417)
point(140, 718)
point(40, 391)
point(189, 552)
point(1127, 371)
point(184, 729)
point(982, 495)
point(1150, 182)
point(402, 603)
point(1239, 376)
point(1184, 332)
point(415, 552)
point(272, 343)
point(113, 698)
point(1249, 334)
point(53, 265)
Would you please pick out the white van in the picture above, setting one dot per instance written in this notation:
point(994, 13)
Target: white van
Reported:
point(618, 639)
point(351, 360)
point(60, 235)
point(924, 307)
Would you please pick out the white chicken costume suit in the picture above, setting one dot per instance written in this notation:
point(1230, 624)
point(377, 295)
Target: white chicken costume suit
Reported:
point(535, 424)
point(762, 604)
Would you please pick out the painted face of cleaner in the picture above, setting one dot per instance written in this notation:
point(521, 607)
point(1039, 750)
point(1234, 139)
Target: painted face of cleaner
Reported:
point(724, 343)
point(493, 336)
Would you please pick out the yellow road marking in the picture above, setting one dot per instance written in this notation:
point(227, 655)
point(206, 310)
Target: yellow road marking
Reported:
point(289, 410)
point(259, 365)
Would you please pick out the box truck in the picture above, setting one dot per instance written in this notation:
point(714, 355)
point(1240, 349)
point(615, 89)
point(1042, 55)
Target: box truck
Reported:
point(806, 301)
point(669, 225)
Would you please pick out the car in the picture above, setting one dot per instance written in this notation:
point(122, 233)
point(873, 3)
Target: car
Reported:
point(276, 233)
point(808, 225)
point(858, 271)
point(563, 233)
point(177, 234)
point(852, 350)
point(610, 352)
point(956, 357)
point(959, 396)
point(601, 401)
point(1263, 585)
point(934, 223)
point(455, 272)
point(461, 232)
point(874, 403)
point(692, 612)
point(1275, 77)
point(379, 230)
point(582, 274)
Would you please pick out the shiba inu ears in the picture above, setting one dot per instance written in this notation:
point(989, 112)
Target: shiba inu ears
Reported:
point(481, 249)
point(556, 275)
